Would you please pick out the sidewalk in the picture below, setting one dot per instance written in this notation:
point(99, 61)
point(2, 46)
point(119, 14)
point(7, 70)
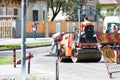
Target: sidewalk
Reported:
point(8, 72)
point(4, 41)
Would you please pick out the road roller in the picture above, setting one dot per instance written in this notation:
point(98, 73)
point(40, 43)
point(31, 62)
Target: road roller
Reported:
point(85, 49)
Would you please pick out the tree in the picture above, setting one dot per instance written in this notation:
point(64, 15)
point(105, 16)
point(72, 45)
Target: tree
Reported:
point(98, 7)
point(66, 5)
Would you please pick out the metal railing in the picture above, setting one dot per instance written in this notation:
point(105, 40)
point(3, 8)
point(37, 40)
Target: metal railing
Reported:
point(6, 32)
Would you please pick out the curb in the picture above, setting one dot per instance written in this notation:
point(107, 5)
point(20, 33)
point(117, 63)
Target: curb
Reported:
point(26, 47)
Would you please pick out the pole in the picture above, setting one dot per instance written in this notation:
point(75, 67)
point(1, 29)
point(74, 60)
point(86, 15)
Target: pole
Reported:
point(23, 36)
point(57, 65)
point(79, 26)
point(14, 58)
point(29, 56)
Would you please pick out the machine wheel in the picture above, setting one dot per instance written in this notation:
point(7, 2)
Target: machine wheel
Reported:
point(74, 56)
point(65, 59)
point(62, 57)
point(89, 56)
point(74, 59)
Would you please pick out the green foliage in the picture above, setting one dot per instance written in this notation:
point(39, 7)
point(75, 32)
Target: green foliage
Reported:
point(28, 77)
point(98, 7)
point(68, 6)
point(37, 44)
point(6, 59)
point(31, 77)
point(12, 46)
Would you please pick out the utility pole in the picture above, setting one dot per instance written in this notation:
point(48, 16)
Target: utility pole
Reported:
point(79, 26)
point(23, 36)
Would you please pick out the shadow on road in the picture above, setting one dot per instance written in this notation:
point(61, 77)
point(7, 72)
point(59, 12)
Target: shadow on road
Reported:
point(51, 55)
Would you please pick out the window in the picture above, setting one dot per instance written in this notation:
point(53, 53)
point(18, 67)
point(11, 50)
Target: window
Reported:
point(15, 11)
point(110, 12)
point(92, 10)
point(118, 11)
point(35, 15)
point(43, 14)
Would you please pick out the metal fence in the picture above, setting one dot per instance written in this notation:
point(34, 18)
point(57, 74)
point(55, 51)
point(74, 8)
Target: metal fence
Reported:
point(6, 32)
point(6, 29)
point(12, 28)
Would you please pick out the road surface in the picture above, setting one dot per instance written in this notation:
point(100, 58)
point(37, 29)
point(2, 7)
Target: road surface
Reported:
point(44, 64)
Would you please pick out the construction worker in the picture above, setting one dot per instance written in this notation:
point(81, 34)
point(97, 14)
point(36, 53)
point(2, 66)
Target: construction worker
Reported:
point(85, 23)
point(115, 29)
point(56, 38)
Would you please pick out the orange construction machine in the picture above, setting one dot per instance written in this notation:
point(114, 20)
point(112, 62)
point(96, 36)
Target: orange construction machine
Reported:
point(84, 50)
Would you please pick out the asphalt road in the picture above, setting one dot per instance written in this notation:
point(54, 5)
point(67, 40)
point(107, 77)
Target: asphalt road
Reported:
point(44, 64)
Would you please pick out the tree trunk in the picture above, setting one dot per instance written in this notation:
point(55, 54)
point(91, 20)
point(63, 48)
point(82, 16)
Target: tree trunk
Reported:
point(54, 16)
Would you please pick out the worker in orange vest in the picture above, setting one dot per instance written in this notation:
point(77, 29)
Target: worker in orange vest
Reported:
point(115, 29)
point(85, 23)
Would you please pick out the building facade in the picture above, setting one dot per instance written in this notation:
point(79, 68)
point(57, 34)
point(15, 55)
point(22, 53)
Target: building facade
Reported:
point(88, 8)
point(36, 9)
point(10, 16)
point(110, 7)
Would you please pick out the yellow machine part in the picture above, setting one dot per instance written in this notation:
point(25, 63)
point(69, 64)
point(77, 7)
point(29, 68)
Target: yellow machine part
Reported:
point(67, 43)
point(108, 54)
point(68, 51)
point(118, 56)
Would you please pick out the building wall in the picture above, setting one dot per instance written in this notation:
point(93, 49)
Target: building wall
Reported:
point(115, 9)
point(40, 5)
point(89, 9)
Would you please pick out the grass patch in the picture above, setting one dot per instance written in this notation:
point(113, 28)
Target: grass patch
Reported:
point(6, 60)
point(9, 59)
point(12, 46)
point(37, 44)
point(9, 46)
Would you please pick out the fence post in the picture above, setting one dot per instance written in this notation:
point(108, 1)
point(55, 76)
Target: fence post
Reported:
point(14, 58)
point(29, 56)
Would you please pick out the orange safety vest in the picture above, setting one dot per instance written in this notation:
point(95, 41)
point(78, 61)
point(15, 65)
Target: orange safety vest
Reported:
point(115, 30)
point(84, 24)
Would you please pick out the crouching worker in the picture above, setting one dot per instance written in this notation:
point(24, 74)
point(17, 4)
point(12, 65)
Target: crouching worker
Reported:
point(56, 38)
